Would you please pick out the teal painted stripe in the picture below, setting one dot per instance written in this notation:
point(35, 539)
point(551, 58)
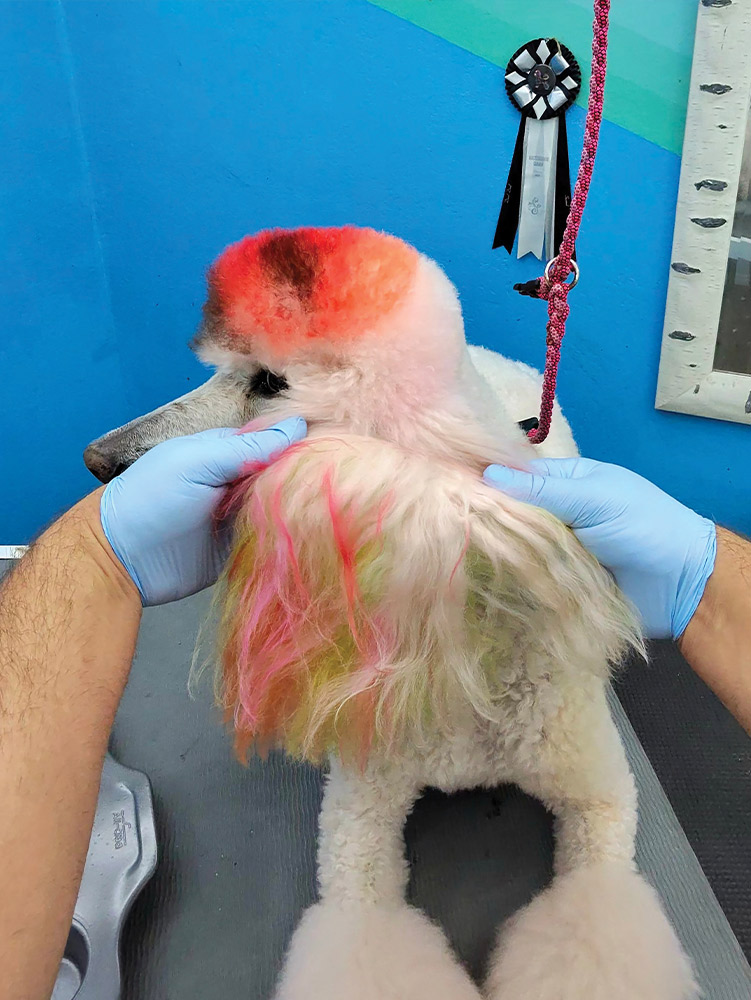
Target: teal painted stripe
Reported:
point(649, 57)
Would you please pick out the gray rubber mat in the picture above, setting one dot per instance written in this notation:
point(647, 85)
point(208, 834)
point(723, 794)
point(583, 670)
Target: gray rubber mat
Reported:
point(665, 856)
point(702, 758)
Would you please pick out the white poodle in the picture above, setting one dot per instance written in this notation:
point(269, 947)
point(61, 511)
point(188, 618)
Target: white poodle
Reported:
point(387, 610)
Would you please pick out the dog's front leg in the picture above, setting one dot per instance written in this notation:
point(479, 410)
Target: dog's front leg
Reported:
point(361, 834)
point(599, 930)
point(362, 940)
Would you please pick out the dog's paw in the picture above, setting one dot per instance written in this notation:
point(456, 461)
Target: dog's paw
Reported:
point(597, 933)
point(371, 953)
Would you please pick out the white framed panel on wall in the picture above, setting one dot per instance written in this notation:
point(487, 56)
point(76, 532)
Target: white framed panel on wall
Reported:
point(705, 363)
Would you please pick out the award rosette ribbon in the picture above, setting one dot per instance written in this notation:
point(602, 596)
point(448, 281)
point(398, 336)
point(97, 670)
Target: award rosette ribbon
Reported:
point(543, 80)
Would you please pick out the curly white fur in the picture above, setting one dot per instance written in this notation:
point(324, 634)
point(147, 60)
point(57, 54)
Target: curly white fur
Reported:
point(598, 932)
point(372, 953)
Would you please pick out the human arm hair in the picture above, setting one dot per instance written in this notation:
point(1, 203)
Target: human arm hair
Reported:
point(69, 617)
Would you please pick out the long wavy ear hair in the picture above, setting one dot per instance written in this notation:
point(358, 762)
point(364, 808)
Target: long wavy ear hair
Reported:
point(375, 596)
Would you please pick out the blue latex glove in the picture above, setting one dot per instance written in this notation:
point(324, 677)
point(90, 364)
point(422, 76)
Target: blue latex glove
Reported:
point(158, 515)
point(660, 552)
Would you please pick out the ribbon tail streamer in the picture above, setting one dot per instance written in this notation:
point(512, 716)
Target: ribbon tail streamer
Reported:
point(538, 187)
point(508, 219)
point(551, 194)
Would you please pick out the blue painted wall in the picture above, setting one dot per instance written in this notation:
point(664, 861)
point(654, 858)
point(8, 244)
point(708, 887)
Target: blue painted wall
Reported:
point(142, 137)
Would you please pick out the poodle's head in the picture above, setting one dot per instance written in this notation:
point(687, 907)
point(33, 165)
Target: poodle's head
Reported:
point(352, 329)
point(355, 328)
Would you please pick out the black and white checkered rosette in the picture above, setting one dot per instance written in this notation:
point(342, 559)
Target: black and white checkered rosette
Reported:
point(543, 80)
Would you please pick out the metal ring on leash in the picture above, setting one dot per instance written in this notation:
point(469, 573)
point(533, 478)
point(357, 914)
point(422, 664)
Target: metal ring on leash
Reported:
point(574, 269)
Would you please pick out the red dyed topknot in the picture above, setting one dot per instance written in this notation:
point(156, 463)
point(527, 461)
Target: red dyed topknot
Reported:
point(281, 290)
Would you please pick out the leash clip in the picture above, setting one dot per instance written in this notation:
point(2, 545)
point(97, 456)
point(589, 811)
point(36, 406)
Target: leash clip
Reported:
point(531, 288)
point(530, 424)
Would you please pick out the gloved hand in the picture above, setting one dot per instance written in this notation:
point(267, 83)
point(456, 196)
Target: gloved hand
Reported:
point(157, 515)
point(660, 552)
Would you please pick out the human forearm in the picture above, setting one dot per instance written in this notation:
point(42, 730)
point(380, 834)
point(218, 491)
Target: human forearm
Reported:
point(717, 640)
point(69, 618)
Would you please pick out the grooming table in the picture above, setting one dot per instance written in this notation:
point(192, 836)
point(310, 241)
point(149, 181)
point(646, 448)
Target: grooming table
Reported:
point(237, 847)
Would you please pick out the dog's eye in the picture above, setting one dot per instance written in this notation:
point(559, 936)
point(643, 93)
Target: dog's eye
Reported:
point(266, 383)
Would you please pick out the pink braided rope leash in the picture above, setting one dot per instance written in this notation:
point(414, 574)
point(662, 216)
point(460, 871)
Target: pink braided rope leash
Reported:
point(556, 287)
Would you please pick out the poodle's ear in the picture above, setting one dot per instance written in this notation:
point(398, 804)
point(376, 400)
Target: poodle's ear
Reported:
point(372, 595)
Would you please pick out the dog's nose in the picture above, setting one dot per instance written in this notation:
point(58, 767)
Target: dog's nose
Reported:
point(104, 465)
